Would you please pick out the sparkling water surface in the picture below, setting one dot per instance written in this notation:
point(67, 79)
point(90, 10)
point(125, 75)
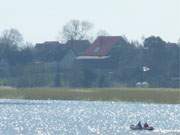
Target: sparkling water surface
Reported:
point(53, 117)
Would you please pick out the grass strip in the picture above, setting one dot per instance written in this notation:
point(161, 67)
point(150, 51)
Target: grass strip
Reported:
point(155, 95)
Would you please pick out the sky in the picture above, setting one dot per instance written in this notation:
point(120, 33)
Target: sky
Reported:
point(41, 20)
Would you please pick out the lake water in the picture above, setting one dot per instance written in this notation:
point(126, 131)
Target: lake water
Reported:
point(50, 117)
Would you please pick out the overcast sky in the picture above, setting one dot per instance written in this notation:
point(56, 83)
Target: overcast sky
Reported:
point(40, 20)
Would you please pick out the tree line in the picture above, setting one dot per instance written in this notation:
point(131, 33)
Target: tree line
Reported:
point(154, 62)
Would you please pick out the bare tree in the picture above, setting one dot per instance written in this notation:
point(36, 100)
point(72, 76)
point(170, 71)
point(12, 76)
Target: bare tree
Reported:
point(102, 33)
point(76, 30)
point(11, 37)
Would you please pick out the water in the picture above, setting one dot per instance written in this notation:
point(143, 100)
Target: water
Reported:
point(27, 117)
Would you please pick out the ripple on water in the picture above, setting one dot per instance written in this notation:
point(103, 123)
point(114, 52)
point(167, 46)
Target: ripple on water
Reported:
point(83, 117)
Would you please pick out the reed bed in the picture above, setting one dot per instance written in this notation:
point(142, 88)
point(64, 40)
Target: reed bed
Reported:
point(151, 95)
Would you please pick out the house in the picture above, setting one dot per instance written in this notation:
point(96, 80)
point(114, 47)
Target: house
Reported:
point(68, 63)
point(60, 59)
point(103, 45)
point(49, 51)
point(78, 46)
point(100, 52)
point(75, 49)
point(65, 54)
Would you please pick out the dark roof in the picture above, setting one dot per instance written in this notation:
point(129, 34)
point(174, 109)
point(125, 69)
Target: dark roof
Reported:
point(171, 45)
point(51, 42)
point(49, 45)
point(78, 46)
point(51, 50)
point(103, 45)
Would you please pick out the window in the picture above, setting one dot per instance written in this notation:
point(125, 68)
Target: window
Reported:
point(96, 49)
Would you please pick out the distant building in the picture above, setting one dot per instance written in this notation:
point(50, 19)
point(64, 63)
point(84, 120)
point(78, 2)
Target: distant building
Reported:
point(65, 54)
point(103, 45)
point(75, 49)
point(48, 44)
point(78, 46)
point(49, 51)
point(100, 52)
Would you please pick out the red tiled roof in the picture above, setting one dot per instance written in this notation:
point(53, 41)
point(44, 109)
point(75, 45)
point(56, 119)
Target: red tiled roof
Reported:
point(102, 45)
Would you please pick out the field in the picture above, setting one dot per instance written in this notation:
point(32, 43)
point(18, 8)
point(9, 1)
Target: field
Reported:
point(155, 95)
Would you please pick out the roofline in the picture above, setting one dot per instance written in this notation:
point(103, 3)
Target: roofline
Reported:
point(92, 57)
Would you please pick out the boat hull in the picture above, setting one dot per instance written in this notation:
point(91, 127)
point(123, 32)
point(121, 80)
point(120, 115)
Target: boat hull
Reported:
point(133, 127)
